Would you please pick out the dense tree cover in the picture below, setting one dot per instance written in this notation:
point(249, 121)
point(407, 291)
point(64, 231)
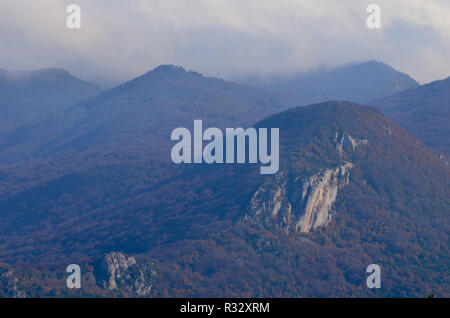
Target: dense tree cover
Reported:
point(189, 220)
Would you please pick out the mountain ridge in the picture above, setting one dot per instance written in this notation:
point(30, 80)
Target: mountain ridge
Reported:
point(356, 82)
point(143, 110)
point(30, 96)
point(424, 111)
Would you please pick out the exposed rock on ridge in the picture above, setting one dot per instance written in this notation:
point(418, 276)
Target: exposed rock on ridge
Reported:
point(117, 264)
point(345, 143)
point(301, 205)
point(294, 203)
point(125, 273)
point(319, 193)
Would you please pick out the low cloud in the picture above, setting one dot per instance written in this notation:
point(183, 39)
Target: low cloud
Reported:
point(226, 38)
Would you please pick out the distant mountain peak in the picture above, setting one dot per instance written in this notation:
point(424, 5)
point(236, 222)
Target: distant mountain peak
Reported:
point(28, 74)
point(52, 77)
point(357, 82)
point(375, 62)
point(30, 95)
point(371, 66)
point(164, 68)
point(51, 70)
point(172, 70)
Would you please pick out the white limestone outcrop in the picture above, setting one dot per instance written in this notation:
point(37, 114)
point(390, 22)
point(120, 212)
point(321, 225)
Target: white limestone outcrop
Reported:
point(124, 273)
point(345, 143)
point(301, 205)
point(117, 264)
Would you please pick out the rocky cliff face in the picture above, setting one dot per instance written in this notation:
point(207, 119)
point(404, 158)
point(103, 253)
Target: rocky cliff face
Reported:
point(302, 204)
point(346, 143)
point(318, 195)
point(118, 265)
point(127, 274)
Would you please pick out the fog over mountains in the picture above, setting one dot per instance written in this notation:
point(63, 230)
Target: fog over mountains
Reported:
point(357, 82)
point(91, 182)
point(148, 108)
point(142, 111)
point(28, 96)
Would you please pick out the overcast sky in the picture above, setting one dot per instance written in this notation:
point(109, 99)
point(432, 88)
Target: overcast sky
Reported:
point(119, 39)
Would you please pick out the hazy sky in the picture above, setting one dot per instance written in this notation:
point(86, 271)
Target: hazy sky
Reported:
point(120, 39)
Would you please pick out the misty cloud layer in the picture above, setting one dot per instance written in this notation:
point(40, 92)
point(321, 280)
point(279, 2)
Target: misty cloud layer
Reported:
point(226, 38)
